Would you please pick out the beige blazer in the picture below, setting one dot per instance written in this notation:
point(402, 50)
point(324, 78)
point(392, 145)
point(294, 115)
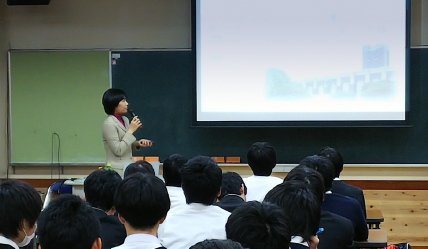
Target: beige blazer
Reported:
point(118, 143)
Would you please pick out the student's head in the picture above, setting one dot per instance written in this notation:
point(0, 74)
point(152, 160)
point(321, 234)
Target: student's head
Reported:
point(262, 158)
point(100, 187)
point(20, 207)
point(300, 204)
point(139, 166)
point(217, 244)
point(232, 184)
point(142, 201)
point(111, 99)
point(171, 170)
point(335, 158)
point(258, 226)
point(309, 176)
point(68, 222)
point(201, 180)
point(323, 166)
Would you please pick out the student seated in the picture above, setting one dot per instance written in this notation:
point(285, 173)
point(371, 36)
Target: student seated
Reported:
point(69, 223)
point(217, 244)
point(233, 191)
point(338, 231)
point(142, 203)
point(99, 188)
point(259, 225)
point(20, 207)
point(261, 158)
point(188, 224)
point(139, 166)
point(339, 187)
point(302, 207)
point(171, 174)
point(338, 204)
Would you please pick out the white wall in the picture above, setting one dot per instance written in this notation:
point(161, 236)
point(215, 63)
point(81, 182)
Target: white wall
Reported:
point(74, 24)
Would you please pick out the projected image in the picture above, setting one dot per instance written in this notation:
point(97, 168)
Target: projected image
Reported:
point(280, 60)
point(375, 81)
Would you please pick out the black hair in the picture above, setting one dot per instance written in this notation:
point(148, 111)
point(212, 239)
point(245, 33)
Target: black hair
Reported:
point(259, 226)
point(335, 158)
point(262, 158)
point(142, 200)
point(100, 187)
point(139, 166)
point(309, 176)
point(201, 180)
point(171, 170)
point(231, 184)
point(323, 166)
point(19, 202)
point(300, 204)
point(68, 222)
point(217, 244)
point(111, 99)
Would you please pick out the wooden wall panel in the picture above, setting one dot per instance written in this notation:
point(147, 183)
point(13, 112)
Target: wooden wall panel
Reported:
point(405, 213)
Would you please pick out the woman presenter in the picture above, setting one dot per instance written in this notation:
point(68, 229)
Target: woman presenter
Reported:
point(119, 141)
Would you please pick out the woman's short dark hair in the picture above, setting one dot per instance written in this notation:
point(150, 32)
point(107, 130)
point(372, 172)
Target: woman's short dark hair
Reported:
point(111, 99)
point(19, 202)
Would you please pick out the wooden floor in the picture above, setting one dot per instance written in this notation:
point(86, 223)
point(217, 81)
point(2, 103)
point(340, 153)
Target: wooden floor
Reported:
point(405, 213)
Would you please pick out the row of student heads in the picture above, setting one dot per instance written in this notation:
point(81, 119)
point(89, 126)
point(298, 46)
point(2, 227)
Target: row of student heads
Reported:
point(261, 158)
point(69, 222)
point(291, 208)
point(298, 198)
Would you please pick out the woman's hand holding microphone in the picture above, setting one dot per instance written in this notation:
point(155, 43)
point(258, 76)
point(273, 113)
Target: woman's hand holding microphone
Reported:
point(133, 126)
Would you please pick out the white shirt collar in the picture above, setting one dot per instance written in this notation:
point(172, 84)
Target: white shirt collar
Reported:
point(172, 188)
point(142, 238)
point(299, 240)
point(328, 192)
point(6, 241)
point(337, 179)
point(254, 176)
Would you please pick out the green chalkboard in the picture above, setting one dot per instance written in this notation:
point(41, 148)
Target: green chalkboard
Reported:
point(55, 106)
point(160, 86)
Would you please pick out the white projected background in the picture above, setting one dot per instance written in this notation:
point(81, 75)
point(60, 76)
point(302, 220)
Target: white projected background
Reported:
point(305, 60)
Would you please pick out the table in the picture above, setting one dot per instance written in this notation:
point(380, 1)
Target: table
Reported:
point(378, 238)
point(374, 218)
point(77, 186)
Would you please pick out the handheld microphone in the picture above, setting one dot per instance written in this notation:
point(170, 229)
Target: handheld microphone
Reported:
point(130, 111)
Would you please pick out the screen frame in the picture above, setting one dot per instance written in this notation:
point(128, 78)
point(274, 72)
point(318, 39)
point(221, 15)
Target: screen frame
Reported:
point(373, 123)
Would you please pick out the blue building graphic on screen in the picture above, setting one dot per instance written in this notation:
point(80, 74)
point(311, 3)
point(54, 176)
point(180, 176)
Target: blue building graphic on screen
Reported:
point(375, 80)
